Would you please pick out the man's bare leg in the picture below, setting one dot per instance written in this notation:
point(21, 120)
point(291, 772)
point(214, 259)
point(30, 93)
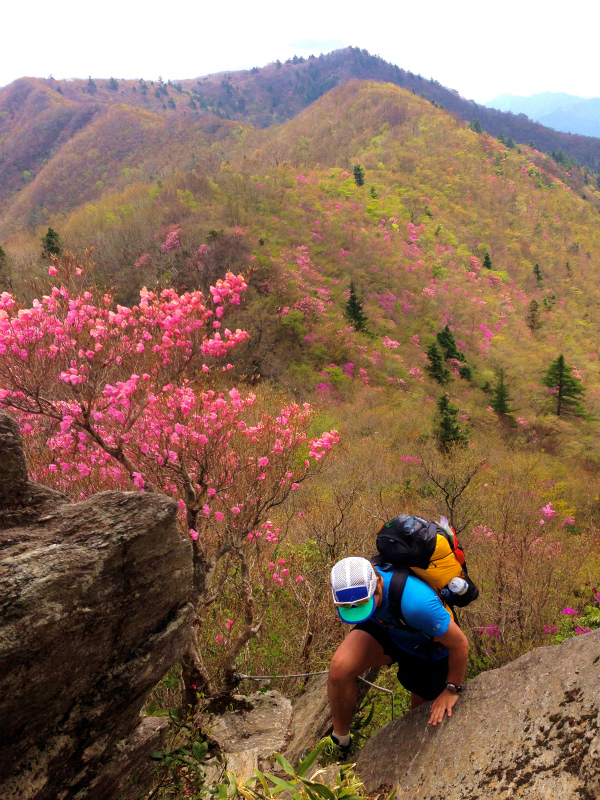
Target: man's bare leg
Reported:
point(357, 653)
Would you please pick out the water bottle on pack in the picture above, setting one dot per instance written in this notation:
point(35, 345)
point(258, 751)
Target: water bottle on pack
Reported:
point(456, 587)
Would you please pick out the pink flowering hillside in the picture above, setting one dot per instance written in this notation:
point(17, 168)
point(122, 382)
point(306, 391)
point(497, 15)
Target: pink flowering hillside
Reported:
point(300, 331)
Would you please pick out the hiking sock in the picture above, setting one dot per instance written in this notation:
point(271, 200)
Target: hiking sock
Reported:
point(342, 742)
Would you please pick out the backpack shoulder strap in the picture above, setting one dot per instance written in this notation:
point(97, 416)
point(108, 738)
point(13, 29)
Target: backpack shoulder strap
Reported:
point(397, 584)
point(396, 589)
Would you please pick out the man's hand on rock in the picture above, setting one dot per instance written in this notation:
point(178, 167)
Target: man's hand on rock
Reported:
point(443, 703)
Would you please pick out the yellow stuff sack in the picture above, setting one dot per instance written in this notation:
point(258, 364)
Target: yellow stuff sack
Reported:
point(443, 565)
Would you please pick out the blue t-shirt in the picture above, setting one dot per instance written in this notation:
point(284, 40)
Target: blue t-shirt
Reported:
point(422, 609)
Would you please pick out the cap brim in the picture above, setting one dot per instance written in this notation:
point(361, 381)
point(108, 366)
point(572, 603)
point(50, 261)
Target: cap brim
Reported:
point(357, 614)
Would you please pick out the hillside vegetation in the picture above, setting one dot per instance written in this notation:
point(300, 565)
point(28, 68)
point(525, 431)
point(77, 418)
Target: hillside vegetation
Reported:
point(64, 143)
point(374, 230)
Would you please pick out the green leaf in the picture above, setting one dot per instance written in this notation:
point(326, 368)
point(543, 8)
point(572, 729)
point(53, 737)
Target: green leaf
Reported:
point(281, 783)
point(158, 756)
point(199, 750)
point(319, 788)
point(222, 791)
point(311, 758)
point(369, 716)
point(151, 708)
point(285, 764)
point(260, 777)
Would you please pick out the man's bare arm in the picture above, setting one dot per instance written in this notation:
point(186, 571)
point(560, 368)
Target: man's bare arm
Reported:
point(458, 646)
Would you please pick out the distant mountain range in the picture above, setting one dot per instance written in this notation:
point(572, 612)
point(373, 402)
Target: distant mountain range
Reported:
point(563, 112)
point(38, 117)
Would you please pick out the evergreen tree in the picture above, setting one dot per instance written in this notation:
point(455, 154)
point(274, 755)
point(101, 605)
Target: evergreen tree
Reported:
point(487, 261)
point(51, 244)
point(465, 372)
point(5, 281)
point(448, 344)
point(501, 399)
point(538, 273)
point(359, 174)
point(475, 125)
point(448, 432)
point(91, 86)
point(566, 388)
point(437, 369)
point(112, 85)
point(354, 312)
point(533, 316)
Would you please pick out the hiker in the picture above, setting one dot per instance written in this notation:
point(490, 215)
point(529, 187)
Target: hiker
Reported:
point(429, 648)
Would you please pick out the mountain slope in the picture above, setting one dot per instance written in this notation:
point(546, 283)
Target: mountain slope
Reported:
point(34, 123)
point(436, 198)
point(38, 118)
point(278, 91)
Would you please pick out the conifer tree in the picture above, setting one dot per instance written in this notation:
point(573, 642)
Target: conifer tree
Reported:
point(448, 432)
point(487, 261)
point(5, 281)
point(51, 244)
point(359, 174)
point(538, 273)
point(475, 125)
point(354, 312)
point(91, 87)
point(566, 388)
point(437, 369)
point(501, 399)
point(448, 344)
point(533, 316)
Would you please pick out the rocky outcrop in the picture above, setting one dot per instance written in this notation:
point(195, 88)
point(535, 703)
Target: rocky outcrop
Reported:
point(249, 735)
point(93, 611)
point(529, 730)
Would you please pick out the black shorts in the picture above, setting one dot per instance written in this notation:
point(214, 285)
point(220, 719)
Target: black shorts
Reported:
point(424, 677)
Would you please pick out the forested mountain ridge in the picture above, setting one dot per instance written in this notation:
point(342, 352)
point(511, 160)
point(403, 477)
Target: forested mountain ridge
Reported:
point(436, 199)
point(40, 117)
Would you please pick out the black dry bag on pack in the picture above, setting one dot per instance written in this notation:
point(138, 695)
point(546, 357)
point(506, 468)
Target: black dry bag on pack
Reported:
point(431, 551)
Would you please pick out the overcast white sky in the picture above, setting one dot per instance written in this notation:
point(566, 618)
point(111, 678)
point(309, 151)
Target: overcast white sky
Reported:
point(481, 49)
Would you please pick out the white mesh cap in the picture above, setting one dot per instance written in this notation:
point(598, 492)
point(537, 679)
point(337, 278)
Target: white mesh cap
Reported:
point(352, 579)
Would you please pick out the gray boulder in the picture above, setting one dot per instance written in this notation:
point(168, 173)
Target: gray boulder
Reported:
point(529, 730)
point(249, 736)
point(94, 609)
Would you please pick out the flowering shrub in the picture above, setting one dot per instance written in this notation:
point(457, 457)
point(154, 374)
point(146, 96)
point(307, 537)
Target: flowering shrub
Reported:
point(108, 397)
point(576, 623)
point(524, 570)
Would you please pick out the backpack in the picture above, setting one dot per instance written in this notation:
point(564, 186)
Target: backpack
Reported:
point(429, 550)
